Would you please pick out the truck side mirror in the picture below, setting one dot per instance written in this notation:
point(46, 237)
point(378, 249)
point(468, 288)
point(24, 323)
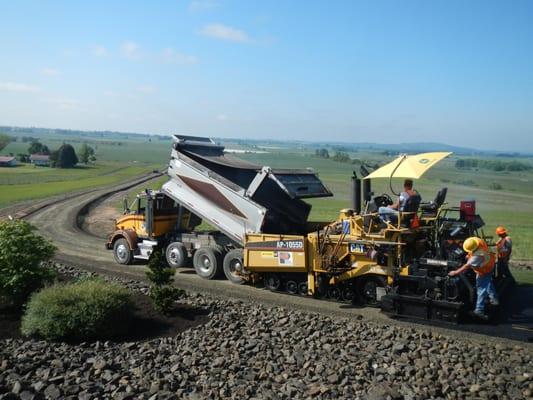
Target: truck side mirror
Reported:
point(125, 206)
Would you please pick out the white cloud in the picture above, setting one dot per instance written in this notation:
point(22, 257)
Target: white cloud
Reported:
point(224, 32)
point(62, 103)
point(50, 72)
point(18, 87)
point(99, 51)
point(146, 89)
point(222, 117)
point(130, 50)
point(202, 5)
point(172, 56)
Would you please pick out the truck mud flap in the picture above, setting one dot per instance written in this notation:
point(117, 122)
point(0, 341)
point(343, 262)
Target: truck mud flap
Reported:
point(420, 307)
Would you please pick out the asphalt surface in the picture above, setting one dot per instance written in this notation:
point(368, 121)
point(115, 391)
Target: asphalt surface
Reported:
point(60, 221)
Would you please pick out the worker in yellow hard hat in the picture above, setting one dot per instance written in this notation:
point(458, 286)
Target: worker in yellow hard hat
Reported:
point(482, 261)
point(505, 248)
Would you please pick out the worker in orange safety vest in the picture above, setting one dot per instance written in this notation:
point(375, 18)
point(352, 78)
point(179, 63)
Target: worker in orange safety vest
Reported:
point(482, 261)
point(505, 248)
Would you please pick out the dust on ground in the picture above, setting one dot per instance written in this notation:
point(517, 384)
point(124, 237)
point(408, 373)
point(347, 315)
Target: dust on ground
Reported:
point(100, 220)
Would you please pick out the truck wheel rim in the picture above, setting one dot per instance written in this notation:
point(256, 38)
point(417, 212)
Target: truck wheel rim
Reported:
point(173, 256)
point(122, 252)
point(235, 266)
point(205, 264)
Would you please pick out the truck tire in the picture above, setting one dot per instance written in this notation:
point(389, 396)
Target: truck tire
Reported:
point(233, 264)
point(122, 252)
point(207, 262)
point(176, 255)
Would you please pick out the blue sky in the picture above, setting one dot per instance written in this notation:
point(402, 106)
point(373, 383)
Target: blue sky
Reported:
point(381, 71)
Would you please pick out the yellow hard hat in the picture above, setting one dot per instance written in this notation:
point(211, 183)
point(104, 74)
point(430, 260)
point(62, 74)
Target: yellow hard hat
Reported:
point(501, 230)
point(471, 244)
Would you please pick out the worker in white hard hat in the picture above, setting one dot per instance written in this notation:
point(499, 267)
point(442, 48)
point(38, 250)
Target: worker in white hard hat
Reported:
point(482, 261)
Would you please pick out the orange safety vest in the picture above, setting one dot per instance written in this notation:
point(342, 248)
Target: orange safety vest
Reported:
point(488, 260)
point(502, 254)
point(483, 245)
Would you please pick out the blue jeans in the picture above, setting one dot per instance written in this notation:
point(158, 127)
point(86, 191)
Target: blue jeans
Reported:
point(388, 214)
point(485, 288)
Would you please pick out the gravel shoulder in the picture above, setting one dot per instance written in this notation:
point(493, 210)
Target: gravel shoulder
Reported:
point(253, 350)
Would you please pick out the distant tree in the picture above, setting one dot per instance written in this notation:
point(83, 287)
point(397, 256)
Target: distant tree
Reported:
point(38, 148)
point(23, 158)
point(341, 156)
point(66, 157)
point(54, 155)
point(86, 154)
point(322, 153)
point(4, 141)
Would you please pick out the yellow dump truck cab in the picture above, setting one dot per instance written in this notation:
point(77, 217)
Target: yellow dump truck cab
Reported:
point(151, 215)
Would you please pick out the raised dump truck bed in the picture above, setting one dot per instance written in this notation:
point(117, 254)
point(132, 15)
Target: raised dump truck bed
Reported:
point(238, 197)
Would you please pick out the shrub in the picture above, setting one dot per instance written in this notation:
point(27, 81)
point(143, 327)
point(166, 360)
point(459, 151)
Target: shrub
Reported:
point(89, 309)
point(495, 186)
point(161, 275)
point(22, 253)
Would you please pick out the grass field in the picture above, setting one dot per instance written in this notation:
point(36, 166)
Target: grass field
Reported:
point(29, 183)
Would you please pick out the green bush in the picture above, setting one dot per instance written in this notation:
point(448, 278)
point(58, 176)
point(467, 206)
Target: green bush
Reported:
point(161, 275)
point(89, 309)
point(22, 253)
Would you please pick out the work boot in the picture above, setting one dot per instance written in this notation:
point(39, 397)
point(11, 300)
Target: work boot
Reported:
point(481, 315)
point(494, 302)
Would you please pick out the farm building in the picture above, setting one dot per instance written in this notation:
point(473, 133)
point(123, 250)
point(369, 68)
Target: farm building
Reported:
point(40, 159)
point(7, 161)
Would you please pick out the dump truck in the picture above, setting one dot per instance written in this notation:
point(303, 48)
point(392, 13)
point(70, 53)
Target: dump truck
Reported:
point(262, 236)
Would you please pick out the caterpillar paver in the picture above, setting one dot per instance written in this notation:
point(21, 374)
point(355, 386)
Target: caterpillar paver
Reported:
point(263, 236)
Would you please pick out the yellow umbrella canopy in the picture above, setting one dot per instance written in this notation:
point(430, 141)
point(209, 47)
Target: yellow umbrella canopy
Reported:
point(406, 166)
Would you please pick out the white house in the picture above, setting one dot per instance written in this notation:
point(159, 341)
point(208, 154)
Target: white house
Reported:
point(40, 159)
point(7, 161)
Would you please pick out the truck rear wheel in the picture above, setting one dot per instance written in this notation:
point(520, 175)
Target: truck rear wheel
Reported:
point(233, 266)
point(122, 252)
point(207, 262)
point(176, 255)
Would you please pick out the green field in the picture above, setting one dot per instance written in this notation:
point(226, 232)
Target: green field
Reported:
point(119, 158)
point(29, 183)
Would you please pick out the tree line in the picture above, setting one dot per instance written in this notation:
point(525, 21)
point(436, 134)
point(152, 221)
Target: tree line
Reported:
point(493, 165)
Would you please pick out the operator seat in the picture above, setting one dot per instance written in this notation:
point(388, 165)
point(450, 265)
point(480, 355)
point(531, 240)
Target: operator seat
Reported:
point(430, 210)
point(410, 209)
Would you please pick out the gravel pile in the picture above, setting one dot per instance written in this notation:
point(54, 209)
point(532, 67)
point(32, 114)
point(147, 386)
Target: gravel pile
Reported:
point(249, 350)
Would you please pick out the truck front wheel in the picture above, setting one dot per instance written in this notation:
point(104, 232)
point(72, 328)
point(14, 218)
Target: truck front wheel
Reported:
point(207, 262)
point(122, 252)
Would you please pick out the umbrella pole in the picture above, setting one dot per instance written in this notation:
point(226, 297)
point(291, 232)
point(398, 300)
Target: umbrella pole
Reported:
point(392, 174)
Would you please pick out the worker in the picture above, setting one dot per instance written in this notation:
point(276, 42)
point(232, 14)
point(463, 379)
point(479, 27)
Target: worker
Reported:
point(505, 248)
point(481, 260)
point(390, 212)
